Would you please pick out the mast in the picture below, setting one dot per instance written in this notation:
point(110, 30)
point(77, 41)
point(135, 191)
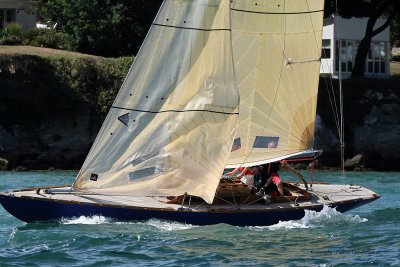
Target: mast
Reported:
point(341, 130)
point(341, 119)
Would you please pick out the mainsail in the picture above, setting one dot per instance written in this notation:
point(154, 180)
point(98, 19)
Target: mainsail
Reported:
point(171, 127)
point(277, 48)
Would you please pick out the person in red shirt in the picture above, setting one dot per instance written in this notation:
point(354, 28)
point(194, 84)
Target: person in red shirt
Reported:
point(246, 174)
point(243, 171)
point(274, 178)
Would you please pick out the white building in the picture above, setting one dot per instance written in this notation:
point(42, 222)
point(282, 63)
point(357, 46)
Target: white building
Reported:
point(18, 11)
point(350, 32)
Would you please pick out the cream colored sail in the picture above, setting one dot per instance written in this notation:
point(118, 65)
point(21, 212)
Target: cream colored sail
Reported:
point(172, 125)
point(277, 48)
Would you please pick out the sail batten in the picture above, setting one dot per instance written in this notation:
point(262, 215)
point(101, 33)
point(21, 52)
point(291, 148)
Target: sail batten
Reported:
point(189, 28)
point(177, 110)
point(276, 13)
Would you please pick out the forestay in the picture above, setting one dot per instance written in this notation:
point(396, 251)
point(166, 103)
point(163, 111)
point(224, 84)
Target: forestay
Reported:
point(171, 127)
point(277, 48)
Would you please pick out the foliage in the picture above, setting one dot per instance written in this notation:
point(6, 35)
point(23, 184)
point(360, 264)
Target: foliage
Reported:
point(12, 29)
point(102, 27)
point(11, 34)
point(395, 31)
point(395, 58)
point(36, 89)
point(47, 38)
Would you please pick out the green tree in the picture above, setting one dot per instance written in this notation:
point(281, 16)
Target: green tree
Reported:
point(102, 27)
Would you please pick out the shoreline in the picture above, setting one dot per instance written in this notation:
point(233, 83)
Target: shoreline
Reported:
point(54, 102)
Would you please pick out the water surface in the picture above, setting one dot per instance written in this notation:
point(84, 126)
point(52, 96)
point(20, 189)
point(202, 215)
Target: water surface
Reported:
point(366, 236)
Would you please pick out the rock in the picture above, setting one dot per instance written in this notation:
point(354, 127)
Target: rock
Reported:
point(368, 94)
point(393, 109)
point(373, 117)
point(3, 164)
point(21, 169)
point(393, 97)
point(354, 162)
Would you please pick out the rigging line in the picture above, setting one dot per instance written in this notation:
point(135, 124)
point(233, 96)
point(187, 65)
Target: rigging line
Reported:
point(177, 110)
point(250, 203)
point(234, 205)
point(312, 26)
point(276, 13)
point(189, 28)
point(340, 98)
point(243, 203)
point(196, 207)
point(335, 112)
point(334, 107)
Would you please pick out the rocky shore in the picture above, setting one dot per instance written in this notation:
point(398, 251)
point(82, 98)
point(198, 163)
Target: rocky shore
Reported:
point(51, 125)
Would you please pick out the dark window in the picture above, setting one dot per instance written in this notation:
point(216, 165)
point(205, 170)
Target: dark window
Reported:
point(10, 15)
point(124, 119)
point(7, 16)
point(326, 48)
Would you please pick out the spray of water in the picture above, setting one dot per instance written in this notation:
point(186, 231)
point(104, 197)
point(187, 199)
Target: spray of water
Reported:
point(326, 217)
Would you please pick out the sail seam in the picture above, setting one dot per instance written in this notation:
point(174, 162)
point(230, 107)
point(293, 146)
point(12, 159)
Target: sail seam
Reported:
point(277, 13)
point(190, 28)
point(175, 110)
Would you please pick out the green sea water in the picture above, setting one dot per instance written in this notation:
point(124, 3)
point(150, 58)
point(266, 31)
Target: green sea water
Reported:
point(366, 236)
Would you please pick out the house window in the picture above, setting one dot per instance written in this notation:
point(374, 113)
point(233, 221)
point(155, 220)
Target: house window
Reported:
point(326, 48)
point(345, 55)
point(376, 60)
point(7, 16)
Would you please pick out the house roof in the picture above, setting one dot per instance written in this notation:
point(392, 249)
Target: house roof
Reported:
point(17, 3)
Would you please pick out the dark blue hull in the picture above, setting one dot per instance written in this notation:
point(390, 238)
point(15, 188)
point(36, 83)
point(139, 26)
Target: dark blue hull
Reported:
point(34, 210)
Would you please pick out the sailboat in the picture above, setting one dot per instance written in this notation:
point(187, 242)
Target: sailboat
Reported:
point(217, 84)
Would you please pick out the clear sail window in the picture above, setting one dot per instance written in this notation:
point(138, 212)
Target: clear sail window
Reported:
point(148, 172)
point(266, 142)
point(143, 173)
point(236, 144)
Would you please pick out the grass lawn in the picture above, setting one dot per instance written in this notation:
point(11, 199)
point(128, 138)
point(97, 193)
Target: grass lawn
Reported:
point(395, 68)
point(39, 51)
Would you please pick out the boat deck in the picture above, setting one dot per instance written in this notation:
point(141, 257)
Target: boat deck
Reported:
point(322, 194)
